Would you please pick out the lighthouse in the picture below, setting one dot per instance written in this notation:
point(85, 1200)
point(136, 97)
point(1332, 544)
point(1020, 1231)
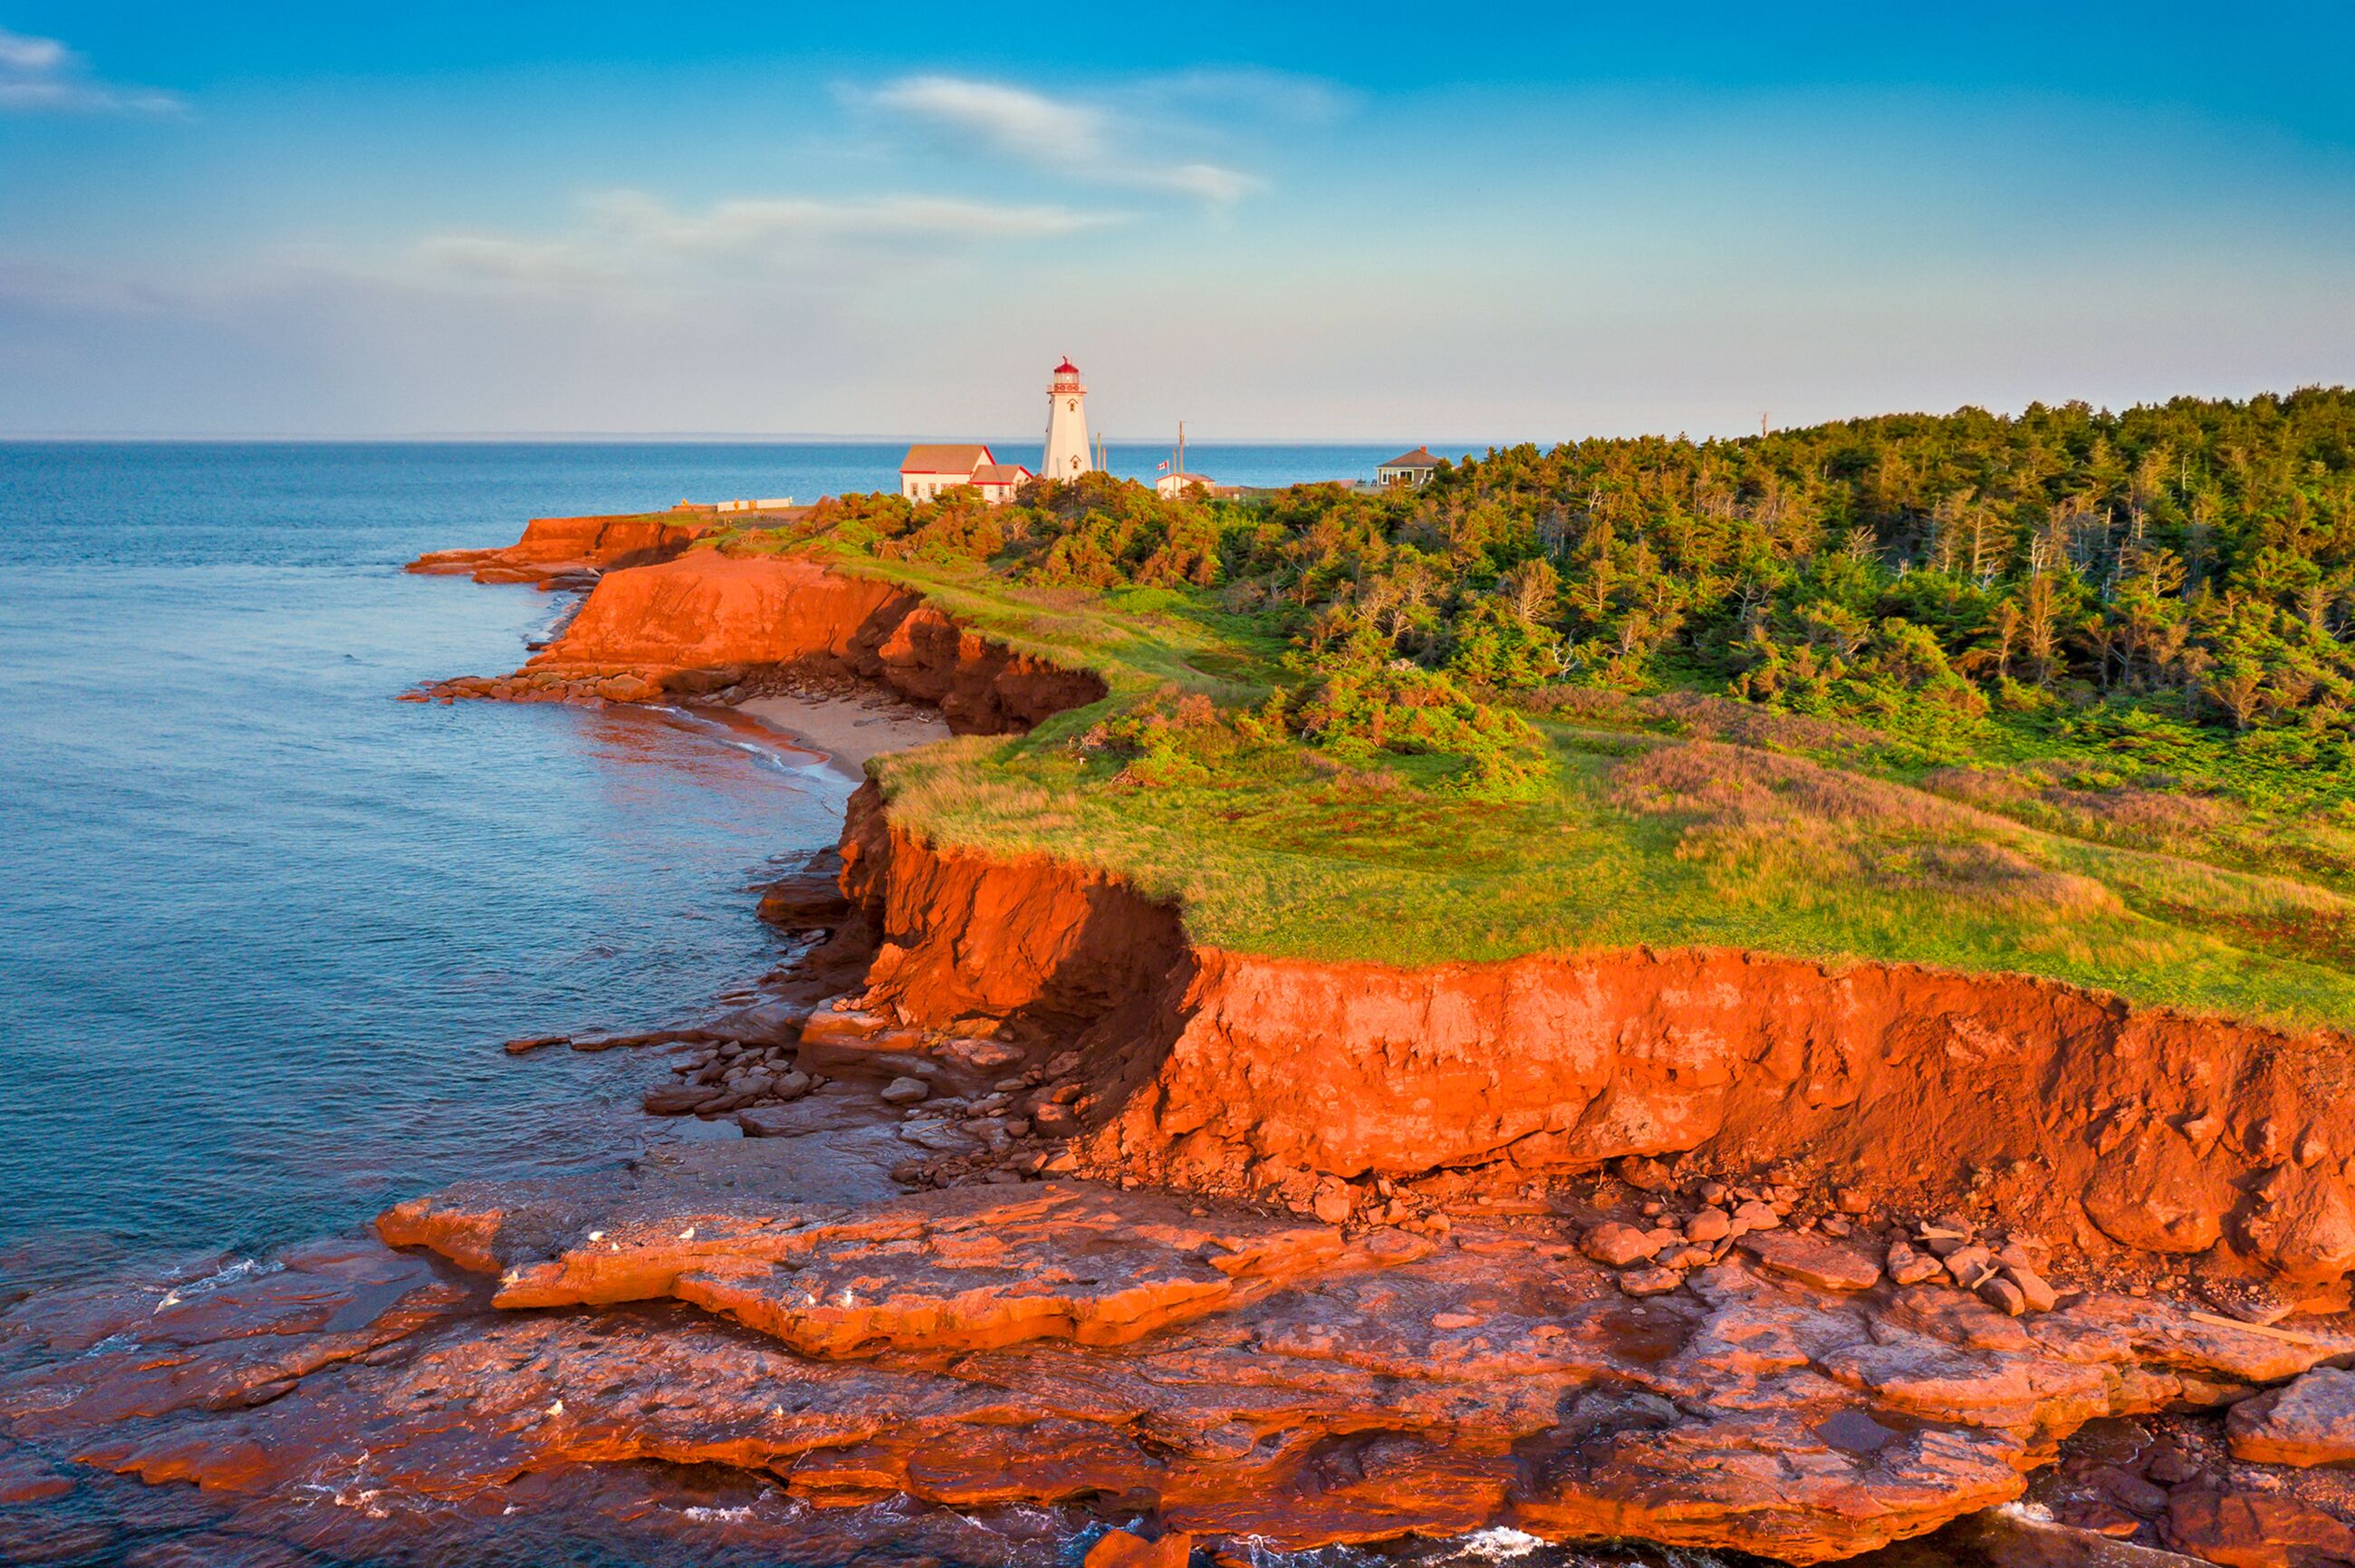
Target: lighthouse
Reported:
point(1067, 425)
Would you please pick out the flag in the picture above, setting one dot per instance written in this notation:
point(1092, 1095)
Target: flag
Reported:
point(1163, 465)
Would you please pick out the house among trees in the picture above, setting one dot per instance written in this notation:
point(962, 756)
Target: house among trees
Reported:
point(932, 467)
point(1411, 468)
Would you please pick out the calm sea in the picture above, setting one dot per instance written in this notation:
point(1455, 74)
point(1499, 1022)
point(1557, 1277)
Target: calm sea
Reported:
point(262, 928)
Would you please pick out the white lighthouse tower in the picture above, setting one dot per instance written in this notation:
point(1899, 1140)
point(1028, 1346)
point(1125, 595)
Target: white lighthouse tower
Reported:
point(1067, 426)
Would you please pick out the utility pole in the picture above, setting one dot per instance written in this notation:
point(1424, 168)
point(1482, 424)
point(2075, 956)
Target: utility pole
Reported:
point(1762, 424)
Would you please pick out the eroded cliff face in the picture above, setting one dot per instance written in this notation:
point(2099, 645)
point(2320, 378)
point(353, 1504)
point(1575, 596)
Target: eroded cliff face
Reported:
point(570, 551)
point(703, 622)
point(961, 937)
point(2099, 1125)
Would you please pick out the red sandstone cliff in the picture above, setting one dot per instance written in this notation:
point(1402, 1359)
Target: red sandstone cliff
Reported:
point(1224, 1072)
point(704, 620)
point(558, 548)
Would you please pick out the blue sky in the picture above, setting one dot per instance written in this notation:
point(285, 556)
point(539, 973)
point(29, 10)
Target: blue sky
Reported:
point(1371, 221)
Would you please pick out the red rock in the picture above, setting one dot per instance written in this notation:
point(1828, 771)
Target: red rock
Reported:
point(1326, 1393)
point(1826, 1264)
point(2309, 1422)
point(1967, 1266)
point(2306, 1227)
point(1119, 1549)
point(1709, 1225)
point(2256, 1529)
point(1646, 1175)
point(2158, 1193)
point(1907, 1266)
point(1618, 1245)
point(2034, 1290)
point(1650, 1280)
point(965, 1268)
point(1335, 1202)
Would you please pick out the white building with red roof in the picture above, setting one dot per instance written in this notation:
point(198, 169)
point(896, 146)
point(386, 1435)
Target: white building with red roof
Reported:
point(932, 467)
point(1411, 468)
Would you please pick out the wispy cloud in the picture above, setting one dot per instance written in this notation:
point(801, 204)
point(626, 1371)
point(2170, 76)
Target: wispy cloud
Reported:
point(1255, 93)
point(41, 75)
point(631, 236)
point(1066, 136)
point(733, 224)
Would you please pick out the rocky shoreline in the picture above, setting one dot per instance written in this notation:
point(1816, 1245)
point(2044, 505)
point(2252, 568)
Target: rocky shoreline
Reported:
point(1009, 1195)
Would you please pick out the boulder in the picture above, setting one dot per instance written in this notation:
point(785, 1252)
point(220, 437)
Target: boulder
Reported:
point(1907, 1266)
point(2307, 1230)
point(2033, 1288)
point(1969, 1265)
point(1121, 1549)
point(981, 1055)
point(1333, 1201)
point(2256, 1529)
point(905, 1091)
point(1617, 1245)
point(1812, 1260)
point(1709, 1225)
point(2309, 1422)
point(1650, 1280)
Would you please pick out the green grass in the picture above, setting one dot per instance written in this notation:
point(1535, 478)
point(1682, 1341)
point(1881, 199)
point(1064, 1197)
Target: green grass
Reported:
point(1702, 823)
point(1139, 639)
point(1300, 863)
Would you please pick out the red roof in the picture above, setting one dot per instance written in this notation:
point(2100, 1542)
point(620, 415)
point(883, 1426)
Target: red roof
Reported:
point(1067, 367)
point(936, 457)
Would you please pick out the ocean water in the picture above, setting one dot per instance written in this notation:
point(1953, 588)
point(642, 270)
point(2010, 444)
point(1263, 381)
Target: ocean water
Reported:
point(263, 928)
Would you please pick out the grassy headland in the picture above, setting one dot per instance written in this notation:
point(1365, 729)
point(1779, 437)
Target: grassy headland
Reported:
point(2069, 695)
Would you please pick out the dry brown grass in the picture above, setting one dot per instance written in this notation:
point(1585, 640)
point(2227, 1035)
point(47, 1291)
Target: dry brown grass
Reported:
point(1768, 815)
point(1701, 716)
point(2042, 794)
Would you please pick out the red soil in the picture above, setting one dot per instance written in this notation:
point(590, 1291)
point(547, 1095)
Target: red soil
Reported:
point(568, 548)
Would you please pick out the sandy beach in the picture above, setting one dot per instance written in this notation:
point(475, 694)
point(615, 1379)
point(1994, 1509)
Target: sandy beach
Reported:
point(847, 729)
